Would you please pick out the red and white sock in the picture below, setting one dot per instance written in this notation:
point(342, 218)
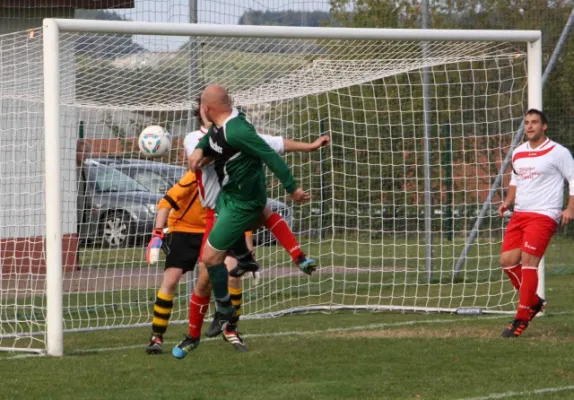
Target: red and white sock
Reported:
point(528, 296)
point(515, 275)
point(279, 228)
point(198, 307)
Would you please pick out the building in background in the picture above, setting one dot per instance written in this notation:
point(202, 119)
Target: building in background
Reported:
point(22, 214)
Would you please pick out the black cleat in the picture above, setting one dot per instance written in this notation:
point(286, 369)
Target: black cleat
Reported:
point(232, 336)
point(537, 308)
point(515, 328)
point(248, 264)
point(220, 321)
point(155, 345)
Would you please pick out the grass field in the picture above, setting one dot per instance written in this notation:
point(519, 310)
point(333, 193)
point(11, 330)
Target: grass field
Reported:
point(314, 356)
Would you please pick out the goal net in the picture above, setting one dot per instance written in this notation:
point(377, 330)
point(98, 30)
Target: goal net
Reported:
point(365, 223)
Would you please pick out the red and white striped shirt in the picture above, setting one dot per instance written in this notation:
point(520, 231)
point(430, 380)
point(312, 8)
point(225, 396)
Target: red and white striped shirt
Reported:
point(539, 175)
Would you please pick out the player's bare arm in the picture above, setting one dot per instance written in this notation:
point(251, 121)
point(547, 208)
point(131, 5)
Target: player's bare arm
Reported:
point(566, 167)
point(161, 218)
point(293, 145)
point(300, 196)
point(196, 159)
point(568, 214)
point(508, 201)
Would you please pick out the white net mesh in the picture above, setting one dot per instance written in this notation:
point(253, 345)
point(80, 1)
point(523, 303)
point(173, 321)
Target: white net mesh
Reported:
point(365, 223)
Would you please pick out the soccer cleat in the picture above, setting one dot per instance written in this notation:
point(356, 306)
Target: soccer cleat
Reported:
point(232, 336)
point(184, 347)
point(307, 265)
point(155, 345)
point(537, 308)
point(220, 321)
point(515, 328)
point(243, 266)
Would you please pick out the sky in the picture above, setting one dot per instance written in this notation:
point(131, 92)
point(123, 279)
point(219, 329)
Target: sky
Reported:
point(209, 11)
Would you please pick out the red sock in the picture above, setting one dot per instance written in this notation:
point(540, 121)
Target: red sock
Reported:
point(197, 309)
point(528, 296)
point(279, 228)
point(515, 275)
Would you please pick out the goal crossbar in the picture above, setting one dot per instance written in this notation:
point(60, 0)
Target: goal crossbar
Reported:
point(257, 31)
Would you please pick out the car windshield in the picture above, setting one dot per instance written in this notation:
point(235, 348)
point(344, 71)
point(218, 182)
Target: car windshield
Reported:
point(176, 173)
point(108, 179)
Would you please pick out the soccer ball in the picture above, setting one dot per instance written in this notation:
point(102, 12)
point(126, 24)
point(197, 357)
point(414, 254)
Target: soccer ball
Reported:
point(154, 141)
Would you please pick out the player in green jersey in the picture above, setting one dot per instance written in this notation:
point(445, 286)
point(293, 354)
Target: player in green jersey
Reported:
point(238, 153)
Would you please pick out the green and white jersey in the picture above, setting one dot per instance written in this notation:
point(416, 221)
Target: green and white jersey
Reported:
point(238, 152)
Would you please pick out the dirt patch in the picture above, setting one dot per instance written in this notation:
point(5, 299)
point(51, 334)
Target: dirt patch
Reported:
point(421, 332)
point(452, 332)
point(85, 280)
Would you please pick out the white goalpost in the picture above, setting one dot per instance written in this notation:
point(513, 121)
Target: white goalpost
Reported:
point(382, 240)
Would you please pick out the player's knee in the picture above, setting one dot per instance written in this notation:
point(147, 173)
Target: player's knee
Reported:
point(529, 260)
point(202, 285)
point(212, 257)
point(171, 278)
point(509, 258)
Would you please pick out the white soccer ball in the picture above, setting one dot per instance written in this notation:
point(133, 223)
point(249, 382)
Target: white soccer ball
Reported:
point(154, 141)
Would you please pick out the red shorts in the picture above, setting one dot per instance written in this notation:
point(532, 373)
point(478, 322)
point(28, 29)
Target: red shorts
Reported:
point(530, 232)
point(209, 221)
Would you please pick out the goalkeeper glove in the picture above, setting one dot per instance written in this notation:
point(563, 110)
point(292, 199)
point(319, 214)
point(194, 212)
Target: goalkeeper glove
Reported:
point(154, 245)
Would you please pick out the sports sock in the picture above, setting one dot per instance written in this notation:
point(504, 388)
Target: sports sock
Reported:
point(515, 275)
point(161, 312)
point(236, 296)
point(218, 277)
point(279, 228)
point(198, 306)
point(528, 296)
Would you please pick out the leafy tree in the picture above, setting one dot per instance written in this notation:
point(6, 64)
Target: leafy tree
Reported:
point(286, 18)
point(105, 46)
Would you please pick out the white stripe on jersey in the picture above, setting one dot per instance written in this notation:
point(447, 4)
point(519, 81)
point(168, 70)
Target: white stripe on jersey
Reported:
point(539, 174)
point(208, 177)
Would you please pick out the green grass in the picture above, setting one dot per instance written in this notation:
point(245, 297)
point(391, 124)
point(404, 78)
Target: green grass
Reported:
point(342, 355)
point(337, 356)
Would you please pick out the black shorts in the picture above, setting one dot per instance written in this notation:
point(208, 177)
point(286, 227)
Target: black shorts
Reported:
point(183, 250)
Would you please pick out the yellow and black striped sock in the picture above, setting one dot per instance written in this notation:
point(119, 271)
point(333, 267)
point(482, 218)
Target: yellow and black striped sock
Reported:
point(236, 296)
point(161, 312)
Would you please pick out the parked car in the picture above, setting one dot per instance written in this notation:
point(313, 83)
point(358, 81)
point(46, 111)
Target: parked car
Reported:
point(157, 177)
point(113, 208)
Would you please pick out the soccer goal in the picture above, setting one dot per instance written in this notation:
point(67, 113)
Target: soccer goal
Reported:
point(420, 121)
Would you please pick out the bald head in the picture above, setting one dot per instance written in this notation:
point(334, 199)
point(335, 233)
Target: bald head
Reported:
point(215, 96)
point(215, 104)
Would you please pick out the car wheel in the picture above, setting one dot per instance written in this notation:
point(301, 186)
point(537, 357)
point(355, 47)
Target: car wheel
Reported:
point(115, 230)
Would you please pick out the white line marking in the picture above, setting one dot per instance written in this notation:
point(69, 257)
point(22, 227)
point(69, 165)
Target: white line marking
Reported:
point(288, 333)
point(506, 395)
point(300, 333)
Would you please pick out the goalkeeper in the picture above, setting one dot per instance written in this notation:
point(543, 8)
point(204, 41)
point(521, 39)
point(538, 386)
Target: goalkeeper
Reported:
point(186, 220)
point(238, 152)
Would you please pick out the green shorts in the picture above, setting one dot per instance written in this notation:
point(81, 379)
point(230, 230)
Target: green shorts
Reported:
point(234, 217)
